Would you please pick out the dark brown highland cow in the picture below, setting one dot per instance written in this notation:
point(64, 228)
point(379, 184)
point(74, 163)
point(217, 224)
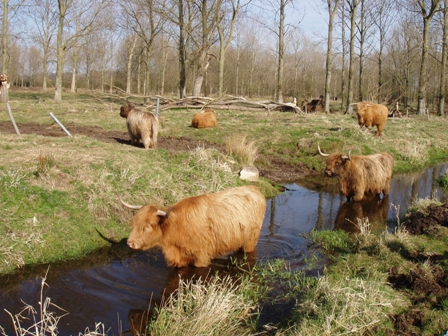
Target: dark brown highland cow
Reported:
point(141, 125)
point(360, 174)
point(370, 114)
point(197, 229)
point(204, 119)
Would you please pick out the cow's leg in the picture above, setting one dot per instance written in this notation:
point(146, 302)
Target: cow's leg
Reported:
point(175, 258)
point(359, 194)
point(386, 189)
point(380, 130)
point(202, 261)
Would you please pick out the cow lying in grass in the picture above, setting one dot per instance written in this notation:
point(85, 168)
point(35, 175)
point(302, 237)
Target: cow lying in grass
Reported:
point(204, 119)
point(141, 125)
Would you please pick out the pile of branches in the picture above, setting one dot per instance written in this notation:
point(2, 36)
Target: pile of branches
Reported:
point(230, 103)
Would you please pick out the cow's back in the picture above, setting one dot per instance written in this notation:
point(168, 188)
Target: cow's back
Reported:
point(212, 225)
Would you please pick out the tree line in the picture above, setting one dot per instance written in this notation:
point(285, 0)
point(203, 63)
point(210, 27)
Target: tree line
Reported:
point(386, 51)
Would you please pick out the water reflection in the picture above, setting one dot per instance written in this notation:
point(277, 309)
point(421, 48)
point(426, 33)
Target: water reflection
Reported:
point(118, 285)
point(350, 214)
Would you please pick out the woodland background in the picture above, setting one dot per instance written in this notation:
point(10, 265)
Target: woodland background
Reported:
point(388, 51)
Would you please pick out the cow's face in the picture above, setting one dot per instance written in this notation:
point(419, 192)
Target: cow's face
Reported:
point(146, 231)
point(124, 110)
point(336, 164)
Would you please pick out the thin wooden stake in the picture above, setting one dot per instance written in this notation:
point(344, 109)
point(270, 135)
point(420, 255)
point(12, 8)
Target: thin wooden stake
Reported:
point(12, 118)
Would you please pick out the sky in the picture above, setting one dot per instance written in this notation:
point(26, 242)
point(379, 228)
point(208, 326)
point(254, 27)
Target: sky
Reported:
point(315, 19)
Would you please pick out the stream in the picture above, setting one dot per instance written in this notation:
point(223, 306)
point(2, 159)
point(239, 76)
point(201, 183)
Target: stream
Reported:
point(115, 283)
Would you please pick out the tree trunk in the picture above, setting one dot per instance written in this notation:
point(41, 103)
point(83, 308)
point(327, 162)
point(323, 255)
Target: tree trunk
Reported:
point(427, 15)
point(442, 89)
point(60, 51)
point(353, 8)
point(5, 37)
point(331, 14)
point(281, 50)
point(129, 63)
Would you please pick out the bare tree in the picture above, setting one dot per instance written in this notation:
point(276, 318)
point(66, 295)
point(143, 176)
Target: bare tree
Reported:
point(385, 17)
point(89, 10)
point(225, 37)
point(44, 15)
point(427, 9)
point(352, 7)
point(147, 24)
point(365, 25)
point(332, 7)
point(442, 89)
point(209, 15)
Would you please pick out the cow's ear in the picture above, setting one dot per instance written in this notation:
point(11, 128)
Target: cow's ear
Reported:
point(345, 158)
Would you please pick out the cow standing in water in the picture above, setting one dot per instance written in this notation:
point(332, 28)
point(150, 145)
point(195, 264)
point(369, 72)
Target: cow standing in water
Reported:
point(360, 174)
point(197, 229)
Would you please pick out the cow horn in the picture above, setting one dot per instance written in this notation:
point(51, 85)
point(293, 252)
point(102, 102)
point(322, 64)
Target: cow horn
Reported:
point(347, 157)
point(163, 213)
point(320, 152)
point(134, 207)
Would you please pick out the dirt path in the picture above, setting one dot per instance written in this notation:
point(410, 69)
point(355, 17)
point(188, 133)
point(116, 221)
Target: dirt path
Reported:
point(278, 172)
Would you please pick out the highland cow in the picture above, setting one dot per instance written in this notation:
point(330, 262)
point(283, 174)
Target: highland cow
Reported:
point(359, 175)
point(370, 115)
point(141, 125)
point(204, 119)
point(197, 229)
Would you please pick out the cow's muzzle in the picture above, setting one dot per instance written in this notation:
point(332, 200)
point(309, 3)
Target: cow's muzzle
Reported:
point(328, 173)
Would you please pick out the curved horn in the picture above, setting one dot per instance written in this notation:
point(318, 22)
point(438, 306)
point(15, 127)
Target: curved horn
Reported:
point(134, 207)
point(320, 152)
point(162, 213)
point(346, 157)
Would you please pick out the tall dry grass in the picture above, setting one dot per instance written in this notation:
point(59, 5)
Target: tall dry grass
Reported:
point(206, 307)
point(243, 150)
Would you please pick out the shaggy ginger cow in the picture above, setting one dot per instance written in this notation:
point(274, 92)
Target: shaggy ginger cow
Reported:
point(197, 229)
point(204, 119)
point(360, 174)
point(141, 125)
point(370, 114)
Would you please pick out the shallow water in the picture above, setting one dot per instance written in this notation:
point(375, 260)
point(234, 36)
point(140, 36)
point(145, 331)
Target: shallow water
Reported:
point(115, 282)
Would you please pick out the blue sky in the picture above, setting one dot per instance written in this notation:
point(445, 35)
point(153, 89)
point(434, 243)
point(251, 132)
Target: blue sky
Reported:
point(316, 17)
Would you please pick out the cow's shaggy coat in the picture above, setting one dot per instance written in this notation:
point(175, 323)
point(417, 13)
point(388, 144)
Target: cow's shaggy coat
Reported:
point(198, 229)
point(141, 125)
point(204, 119)
point(370, 114)
point(360, 174)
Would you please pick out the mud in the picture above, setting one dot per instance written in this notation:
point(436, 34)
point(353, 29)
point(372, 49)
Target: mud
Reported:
point(427, 281)
point(278, 171)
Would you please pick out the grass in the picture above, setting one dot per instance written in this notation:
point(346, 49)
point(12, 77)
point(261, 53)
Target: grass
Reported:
point(212, 306)
point(56, 194)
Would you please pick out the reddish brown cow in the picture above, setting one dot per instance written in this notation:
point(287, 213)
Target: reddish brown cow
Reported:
point(198, 229)
point(141, 125)
point(360, 174)
point(204, 119)
point(370, 114)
